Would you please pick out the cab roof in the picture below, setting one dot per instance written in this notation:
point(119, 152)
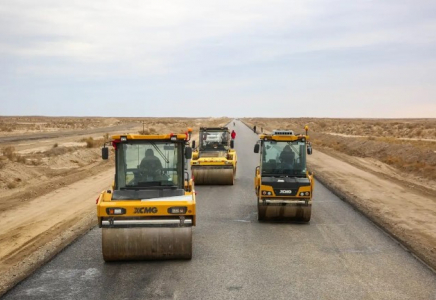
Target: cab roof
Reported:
point(168, 137)
point(215, 128)
point(284, 138)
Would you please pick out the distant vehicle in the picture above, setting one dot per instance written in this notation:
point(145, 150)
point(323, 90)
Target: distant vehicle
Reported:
point(214, 162)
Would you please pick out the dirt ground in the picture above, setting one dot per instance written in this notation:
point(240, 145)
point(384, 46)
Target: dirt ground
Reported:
point(48, 192)
point(389, 179)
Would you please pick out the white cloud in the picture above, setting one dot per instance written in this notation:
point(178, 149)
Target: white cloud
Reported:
point(241, 48)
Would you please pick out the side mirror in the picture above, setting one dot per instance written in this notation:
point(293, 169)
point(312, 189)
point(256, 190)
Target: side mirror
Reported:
point(193, 144)
point(256, 148)
point(232, 144)
point(105, 153)
point(309, 149)
point(188, 152)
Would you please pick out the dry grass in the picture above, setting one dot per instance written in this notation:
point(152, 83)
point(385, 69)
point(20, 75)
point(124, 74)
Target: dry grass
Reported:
point(3, 163)
point(40, 124)
point(17, 125)
point(11, 185)
point(389, 141)
point(9, 152)
point(93, 143)
point(54, 152)
point(34, 159)
point(408, 156)
point(90, 143)
point(397, 128)
point(7, 127)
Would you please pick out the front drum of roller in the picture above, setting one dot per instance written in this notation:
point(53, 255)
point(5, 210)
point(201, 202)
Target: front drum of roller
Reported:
point(284, 213)
point(209, 176)
point(146, 243)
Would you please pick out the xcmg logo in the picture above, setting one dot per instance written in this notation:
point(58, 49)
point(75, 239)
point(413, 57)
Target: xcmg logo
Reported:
point(285, 191)
point(145, 210)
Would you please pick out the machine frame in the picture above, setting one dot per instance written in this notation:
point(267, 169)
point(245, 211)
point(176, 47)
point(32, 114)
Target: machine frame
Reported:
point(148, 223)
point(284, 196)
point(214, 166)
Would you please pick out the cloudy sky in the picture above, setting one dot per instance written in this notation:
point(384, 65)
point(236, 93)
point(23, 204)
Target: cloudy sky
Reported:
point(320, 58)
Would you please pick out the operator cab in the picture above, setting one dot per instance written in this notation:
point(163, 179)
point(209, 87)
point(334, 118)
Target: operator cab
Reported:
point(215, 139)
point(283, 154)
point(148, 168)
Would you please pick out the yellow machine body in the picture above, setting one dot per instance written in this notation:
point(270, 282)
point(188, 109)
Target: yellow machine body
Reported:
point(284, 190)
point(215, 160)
point(144, 219)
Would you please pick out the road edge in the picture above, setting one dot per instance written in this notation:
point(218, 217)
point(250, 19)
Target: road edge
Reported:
point(46, 253)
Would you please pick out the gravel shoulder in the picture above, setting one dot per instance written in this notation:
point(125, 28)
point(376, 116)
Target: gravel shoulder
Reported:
point(37, 230)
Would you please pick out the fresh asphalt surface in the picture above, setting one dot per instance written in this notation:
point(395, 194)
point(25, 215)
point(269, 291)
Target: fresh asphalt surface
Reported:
point(339, 255)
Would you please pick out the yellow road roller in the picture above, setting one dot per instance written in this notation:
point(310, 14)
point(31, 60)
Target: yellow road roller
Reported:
point(214, 161)
point(283, 185)
point(150, 210)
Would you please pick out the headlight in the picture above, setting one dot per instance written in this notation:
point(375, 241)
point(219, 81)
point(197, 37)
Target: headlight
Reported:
point(115, 211)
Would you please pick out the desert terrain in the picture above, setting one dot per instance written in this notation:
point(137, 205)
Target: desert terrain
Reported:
point(50, 174)
point(386, 168)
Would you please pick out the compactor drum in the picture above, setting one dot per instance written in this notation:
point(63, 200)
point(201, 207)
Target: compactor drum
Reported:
point(214, 162)
point(283, 185)
point(150, 210)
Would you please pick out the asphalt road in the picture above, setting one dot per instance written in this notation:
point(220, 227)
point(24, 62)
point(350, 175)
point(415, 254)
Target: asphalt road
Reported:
point(339, 255)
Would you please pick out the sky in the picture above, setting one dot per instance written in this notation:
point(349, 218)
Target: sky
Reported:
point(239, 58)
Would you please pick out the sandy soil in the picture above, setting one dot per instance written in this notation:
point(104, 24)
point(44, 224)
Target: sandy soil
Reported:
point(21, 125)
point(33, 232)
point(367, 136)
point(53, 202)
